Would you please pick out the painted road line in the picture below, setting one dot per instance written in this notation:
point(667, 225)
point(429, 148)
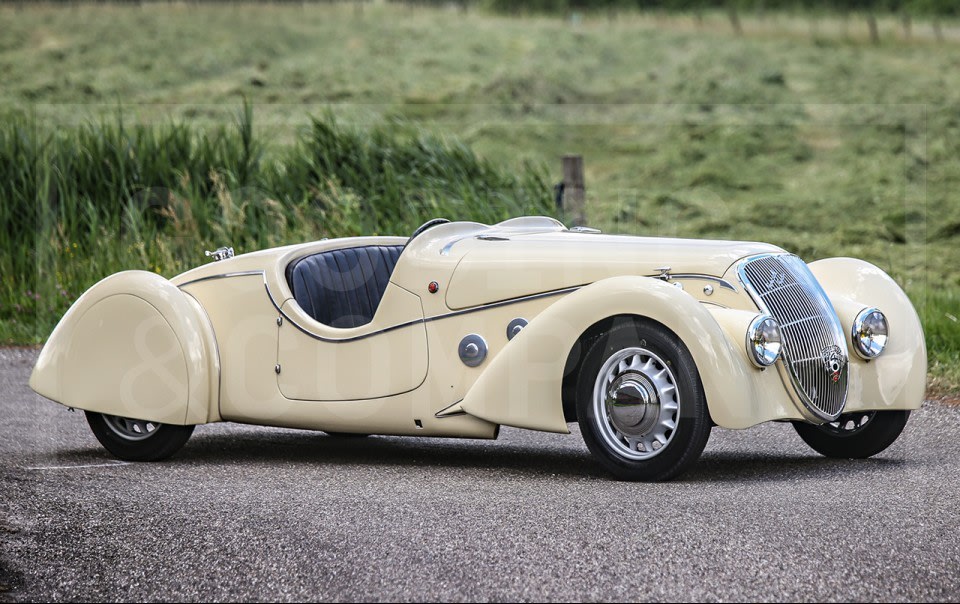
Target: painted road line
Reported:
point(96, 465)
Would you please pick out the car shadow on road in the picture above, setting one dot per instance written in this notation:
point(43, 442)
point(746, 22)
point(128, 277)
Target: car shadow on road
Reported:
point(761, 467)
point(315, 448)
point(537, 459)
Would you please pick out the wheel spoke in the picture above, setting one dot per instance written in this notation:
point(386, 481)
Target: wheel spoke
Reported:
point(645, 421)
point(131, 429)
point(849, 423)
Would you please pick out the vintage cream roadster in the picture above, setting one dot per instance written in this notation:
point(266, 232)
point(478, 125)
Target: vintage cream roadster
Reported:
point(647, 343)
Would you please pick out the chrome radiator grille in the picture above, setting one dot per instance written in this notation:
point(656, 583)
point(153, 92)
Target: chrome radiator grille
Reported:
point(814, 347)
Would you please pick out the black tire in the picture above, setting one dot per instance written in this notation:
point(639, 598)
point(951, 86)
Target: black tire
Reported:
point(854, 435)
point(692, 421)
point(345, 434)
point(160, 443)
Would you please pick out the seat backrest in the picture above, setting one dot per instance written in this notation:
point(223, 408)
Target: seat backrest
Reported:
point(343, 288)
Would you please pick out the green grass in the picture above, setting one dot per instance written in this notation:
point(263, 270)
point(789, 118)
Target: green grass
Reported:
point(800, 133)
point(85, 202)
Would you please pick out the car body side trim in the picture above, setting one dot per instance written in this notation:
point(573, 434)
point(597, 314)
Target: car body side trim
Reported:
point(722, 282)
point(456, 313)
point(224, 276)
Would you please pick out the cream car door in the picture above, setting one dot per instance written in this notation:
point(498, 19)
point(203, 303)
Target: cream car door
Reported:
point(385, 357)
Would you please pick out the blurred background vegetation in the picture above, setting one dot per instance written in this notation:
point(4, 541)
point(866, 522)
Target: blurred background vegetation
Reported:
point(136, 135)
point(909, 7)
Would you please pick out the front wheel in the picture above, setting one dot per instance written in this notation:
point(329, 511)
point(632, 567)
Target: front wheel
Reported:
point(854, 435)
point(137, 440)
point(640, 402)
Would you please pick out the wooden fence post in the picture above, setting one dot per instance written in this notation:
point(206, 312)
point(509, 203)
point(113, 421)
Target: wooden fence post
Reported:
point(574, 192)
point(735, 20)
point(872, 25)
point(905, 21)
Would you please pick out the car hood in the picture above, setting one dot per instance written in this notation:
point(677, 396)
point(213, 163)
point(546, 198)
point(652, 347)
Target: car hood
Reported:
point(500, 267)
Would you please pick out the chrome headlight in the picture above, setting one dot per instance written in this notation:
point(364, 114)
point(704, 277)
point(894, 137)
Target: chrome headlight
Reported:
point(869, 334)
point(763, 341)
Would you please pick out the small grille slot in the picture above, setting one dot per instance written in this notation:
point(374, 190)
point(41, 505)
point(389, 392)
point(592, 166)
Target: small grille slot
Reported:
point(813, 339)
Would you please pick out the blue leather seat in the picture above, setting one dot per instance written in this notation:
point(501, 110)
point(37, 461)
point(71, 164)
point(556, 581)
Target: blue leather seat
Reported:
point(343, 288)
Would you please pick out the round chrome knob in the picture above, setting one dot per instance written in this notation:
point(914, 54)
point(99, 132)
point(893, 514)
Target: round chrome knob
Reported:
point(472, 350)
point(515, 327)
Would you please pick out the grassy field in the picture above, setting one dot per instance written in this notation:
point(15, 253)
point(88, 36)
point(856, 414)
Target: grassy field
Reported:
point(799, 132)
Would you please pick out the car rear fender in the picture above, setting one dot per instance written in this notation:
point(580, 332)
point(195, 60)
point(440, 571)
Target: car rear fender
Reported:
point(133, 345)
point(522, 385)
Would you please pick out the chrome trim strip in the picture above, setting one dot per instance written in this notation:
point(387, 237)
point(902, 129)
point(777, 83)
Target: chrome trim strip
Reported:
point(448, 315)
point(445, 250)
point(225, 276)
point(455, 313)
point(338, 340)
point(508, 302)
point(722, 282)
point(443, 413)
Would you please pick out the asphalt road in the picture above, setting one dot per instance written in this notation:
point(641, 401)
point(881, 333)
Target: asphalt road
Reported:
point(248, 513)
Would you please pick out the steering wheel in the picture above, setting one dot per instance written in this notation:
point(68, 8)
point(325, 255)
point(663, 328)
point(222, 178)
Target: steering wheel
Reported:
point(423, 227)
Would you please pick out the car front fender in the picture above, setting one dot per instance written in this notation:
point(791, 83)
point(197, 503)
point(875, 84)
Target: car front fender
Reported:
point(522, 385)
point(897, 378)
point(133, 345)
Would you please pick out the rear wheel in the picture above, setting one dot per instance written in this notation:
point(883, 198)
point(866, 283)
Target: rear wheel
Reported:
point(640, 403)
point(135, 439)
point(854, 435)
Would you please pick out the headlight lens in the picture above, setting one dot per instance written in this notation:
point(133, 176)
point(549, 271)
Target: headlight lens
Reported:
point(869, 333)
point(763, 341)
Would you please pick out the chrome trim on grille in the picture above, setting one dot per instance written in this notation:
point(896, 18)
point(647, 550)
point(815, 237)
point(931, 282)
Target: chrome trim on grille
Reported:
point(814, 344)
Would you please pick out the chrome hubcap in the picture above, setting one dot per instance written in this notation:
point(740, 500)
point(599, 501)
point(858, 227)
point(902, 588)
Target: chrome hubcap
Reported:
point(636, 403)
point(130, 429)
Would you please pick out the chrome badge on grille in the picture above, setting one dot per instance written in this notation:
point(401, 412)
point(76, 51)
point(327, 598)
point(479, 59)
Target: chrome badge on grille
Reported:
point(777, 279)
point(833, 361)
